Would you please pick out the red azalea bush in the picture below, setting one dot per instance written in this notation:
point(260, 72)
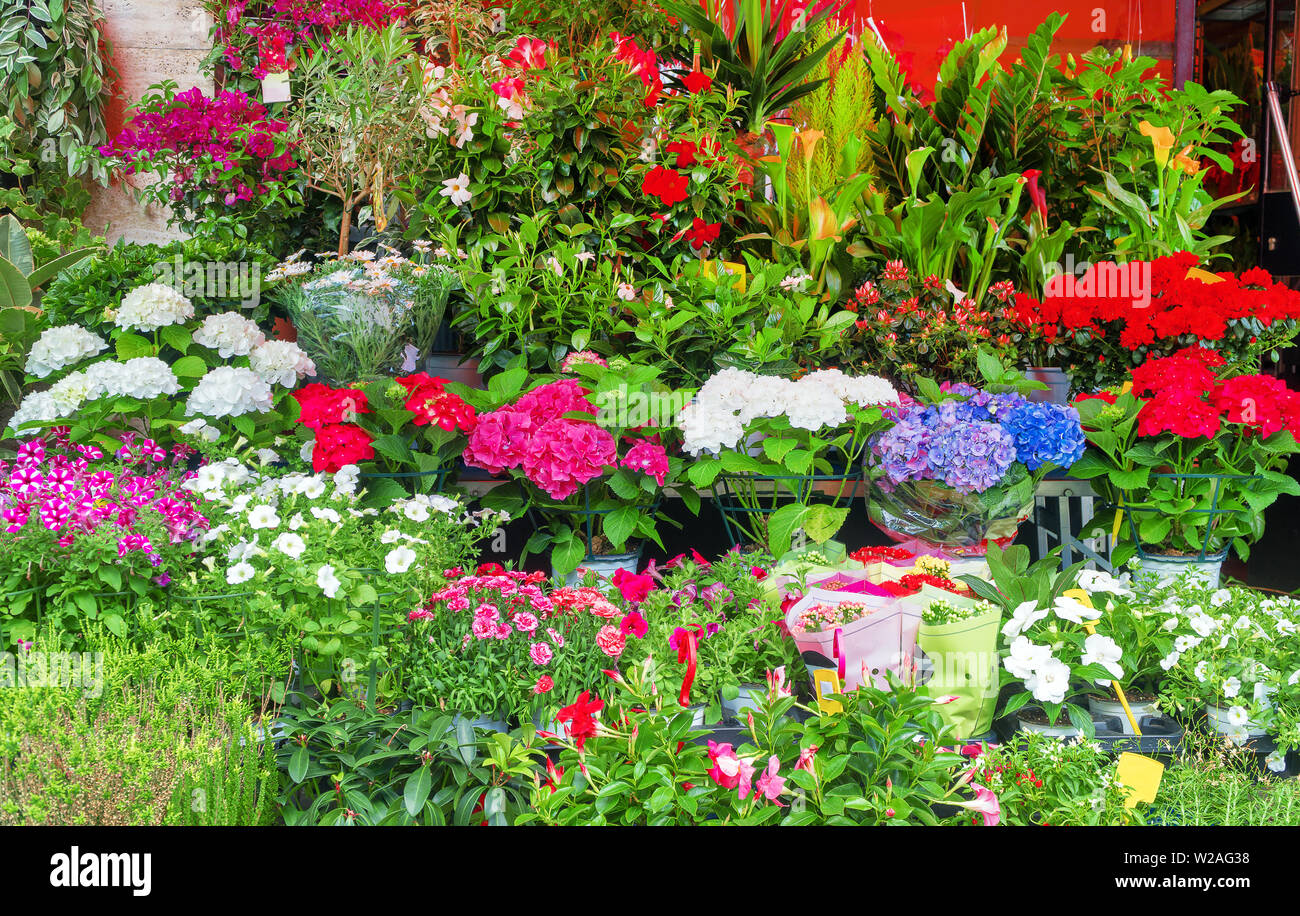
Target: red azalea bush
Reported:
point(1101, 323)
point(212, 154)
point(1193, 453)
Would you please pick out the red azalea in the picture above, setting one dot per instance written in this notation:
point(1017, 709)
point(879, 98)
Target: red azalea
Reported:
point(579, 717)
point(669, 186)
point(702, 233)
point(338, 445)
point(321, 405)
point(697, 81)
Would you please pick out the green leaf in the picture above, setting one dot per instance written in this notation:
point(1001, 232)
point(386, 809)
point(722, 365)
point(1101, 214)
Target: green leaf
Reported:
point(190, 367)
point(298, 764)
point(417, 789)
point(620, 524)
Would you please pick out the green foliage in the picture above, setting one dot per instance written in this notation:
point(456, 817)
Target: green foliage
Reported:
point(236, 788)
point(350, 766)
point(19, 274)
point(56, 70)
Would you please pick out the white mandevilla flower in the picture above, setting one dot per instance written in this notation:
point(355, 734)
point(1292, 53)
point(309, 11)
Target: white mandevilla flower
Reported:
point(1026, 614)
point(230, 334)
point(399, 560)
point(281, 362)
point(457, 189)
point(58, 348)
point(240, 572)
point(290, 544)
point(229, 391)
point(327, 581)
point(153, 306)
point(263, 517)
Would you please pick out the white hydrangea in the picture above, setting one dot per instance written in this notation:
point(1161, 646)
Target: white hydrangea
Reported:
point(229, 391)
point(70, 392)
point(708, 427)
point(863, 390)
point(39, 406)
point(813, 405)
point(58, 348)
point(153, 306)
point(281, 362)
point(230, 334)
point(146, 377)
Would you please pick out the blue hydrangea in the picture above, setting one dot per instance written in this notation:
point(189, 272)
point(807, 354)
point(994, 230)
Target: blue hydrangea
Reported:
point(972, 455)
point(1045, 434)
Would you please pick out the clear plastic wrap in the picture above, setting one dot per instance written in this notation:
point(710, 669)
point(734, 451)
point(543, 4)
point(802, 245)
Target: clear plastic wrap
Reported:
point(960, 523)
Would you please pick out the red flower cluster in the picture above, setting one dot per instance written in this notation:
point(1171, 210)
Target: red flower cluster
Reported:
point(666, 184)
point(697, 81)
point(427, 399)
point(702, 233)
point(643, 63)
point(1109, 301)
point(707, 151)
point(338, 445)
point(873, 554)
point(1185, 397)
point(320, 405)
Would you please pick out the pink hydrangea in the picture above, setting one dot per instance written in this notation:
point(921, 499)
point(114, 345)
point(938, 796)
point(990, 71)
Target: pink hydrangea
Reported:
point(564, 454)
point(649, 458)
point(497, 442)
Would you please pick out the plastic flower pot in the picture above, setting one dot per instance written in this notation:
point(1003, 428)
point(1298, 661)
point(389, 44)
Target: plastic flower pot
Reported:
point(746, 701)
point(1057, 382)
point(963, 524)
point(1064, 729)
point(1113, 709)
point(1217, 716)
point(1167, 569)
point(450, 367)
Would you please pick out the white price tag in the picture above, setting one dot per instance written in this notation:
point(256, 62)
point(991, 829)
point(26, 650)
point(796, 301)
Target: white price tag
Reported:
point(275, 87)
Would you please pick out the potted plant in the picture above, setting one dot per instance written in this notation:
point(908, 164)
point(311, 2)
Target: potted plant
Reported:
point(405, 434)
point(587, 457)
point(1234, 655)
point(795, 428)
point(960, 465)
point(1188, 459)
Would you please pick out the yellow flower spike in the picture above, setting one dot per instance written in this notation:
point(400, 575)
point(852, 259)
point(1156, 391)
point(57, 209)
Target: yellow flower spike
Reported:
point(1162, 139)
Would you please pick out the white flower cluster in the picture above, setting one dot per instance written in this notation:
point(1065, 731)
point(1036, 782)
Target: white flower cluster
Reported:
point(145, 377)
point(58, 348)
point(230, 334)
point(1046, 676)
point(229, 391)
point(153, 306)
point(716, 418)
point(281, 362)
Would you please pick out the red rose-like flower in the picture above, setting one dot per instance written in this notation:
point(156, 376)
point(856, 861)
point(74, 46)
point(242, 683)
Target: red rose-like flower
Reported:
point(321, 405)
point(340, 444)
point(611, 640)
point(579, 717)
point(669, 186)
point(702, 233)
point(697, 81)
point(544, 684)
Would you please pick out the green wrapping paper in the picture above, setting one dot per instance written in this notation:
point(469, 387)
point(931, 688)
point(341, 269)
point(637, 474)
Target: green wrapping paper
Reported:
point(961, 659)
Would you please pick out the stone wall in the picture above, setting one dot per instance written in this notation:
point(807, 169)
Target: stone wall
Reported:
point(153, 40)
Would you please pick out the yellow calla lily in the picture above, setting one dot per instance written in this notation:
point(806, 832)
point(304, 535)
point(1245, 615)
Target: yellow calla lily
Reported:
point(1162, 139)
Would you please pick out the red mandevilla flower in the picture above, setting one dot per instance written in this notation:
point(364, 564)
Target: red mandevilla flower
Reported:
point(668, 185)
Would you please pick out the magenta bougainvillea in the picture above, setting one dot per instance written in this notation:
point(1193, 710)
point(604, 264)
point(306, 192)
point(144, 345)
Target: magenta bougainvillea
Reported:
point(273, 28)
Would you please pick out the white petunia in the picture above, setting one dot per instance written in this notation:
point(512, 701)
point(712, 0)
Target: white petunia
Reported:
point(327, 581)
point(1220, 598)
point(289, 544)
point(326, 515)
point(239, 573)
point(1231, 687)
point(416, 512)
point(263, 516)
point(399, 560)
point(1238, 716)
